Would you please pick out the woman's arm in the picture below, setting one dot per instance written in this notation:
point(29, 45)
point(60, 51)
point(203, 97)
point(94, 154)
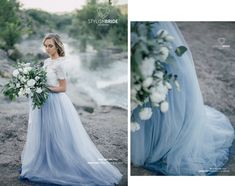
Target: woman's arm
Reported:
point(60, 88)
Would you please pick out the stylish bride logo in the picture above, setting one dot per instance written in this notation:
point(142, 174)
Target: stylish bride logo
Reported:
point(103, 12)
point(104, 17)
point(221, 41)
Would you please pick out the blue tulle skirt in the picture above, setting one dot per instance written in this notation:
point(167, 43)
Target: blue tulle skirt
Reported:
point(58, 150)
point(190, 138)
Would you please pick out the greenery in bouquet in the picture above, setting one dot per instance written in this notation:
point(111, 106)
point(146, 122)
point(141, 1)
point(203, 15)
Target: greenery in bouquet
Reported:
point(151, 52)
point(29, 81)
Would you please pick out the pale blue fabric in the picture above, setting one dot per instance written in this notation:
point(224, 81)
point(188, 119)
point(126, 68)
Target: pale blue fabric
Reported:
point(189, 139)
point(58, 150)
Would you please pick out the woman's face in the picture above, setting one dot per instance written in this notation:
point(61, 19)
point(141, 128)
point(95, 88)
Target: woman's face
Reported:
point(50, 47)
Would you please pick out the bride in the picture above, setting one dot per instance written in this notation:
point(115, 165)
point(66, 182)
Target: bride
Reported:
point(190, 138)
point(58, 150)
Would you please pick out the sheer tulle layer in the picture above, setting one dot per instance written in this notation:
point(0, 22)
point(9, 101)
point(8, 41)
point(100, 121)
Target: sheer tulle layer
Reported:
point(189, 139)
point(58, 149)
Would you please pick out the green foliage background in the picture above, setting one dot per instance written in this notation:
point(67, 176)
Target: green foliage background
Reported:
point(17, 23)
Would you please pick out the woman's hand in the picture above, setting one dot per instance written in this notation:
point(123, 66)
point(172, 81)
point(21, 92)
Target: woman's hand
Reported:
point(60, 88)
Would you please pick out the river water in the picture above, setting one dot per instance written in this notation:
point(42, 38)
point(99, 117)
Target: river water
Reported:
point(106, 84)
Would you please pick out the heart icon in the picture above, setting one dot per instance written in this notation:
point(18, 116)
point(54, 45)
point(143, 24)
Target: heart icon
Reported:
point(221, 40)
point(103, 12)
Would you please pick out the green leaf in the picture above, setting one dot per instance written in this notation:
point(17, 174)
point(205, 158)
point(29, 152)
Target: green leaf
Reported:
point(134, 39)
point(180, 50)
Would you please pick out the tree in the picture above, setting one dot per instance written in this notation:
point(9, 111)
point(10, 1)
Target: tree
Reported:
point(85, 25)
point(9, 23)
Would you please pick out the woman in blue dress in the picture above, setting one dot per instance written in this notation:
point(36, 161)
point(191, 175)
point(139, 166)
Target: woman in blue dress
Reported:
point(190, 138)
point(58, 150)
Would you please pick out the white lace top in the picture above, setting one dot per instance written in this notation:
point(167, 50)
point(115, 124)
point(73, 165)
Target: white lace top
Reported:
point(54, 70)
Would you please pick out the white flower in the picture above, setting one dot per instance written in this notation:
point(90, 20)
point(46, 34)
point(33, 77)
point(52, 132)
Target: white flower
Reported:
point(164, 52)
point(161, 88)
point(37, 78)
point(15, 73)
point(159, 74)
point(177, 85)
point(28, 91)
point(157, 97)
point(168, 85)
point(145, 113)
point(17, 85)
point(22, 79)
point(38, 90)
point(164, 106)
point(27, 64)
point(21, 92)
point(20, 70)
point(31, 83)
point(135, 126)
point(169, 38)
point(162, 33)
point(147, 82)
point(26, 70)
point(147, 67)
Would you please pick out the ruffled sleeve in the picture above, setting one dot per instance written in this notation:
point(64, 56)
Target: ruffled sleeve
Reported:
point(45, 63)
point(60, 72)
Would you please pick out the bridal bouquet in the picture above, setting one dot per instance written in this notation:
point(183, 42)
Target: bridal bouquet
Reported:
point(28, 81)
point(150, 81)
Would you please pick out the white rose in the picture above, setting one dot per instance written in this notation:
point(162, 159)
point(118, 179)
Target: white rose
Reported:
point(147, 67)
point(31, 82)
point(164, 106)
point(26, 70)
point(22, 79)
point(145, 113)
point(161, 88)
point(20, 70)
point(157, 97)
point(21, 92)
point(28, 91)
point(164, 52)
point(17, 85)
point(15, 73)
point(135, 126)
point(39, 90)
point(147, 82)
point(37, 78)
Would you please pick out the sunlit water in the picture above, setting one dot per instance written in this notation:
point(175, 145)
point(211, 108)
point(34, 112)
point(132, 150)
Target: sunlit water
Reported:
point(107, 85)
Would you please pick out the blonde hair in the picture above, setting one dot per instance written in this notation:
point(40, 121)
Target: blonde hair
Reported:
point(58, 43)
